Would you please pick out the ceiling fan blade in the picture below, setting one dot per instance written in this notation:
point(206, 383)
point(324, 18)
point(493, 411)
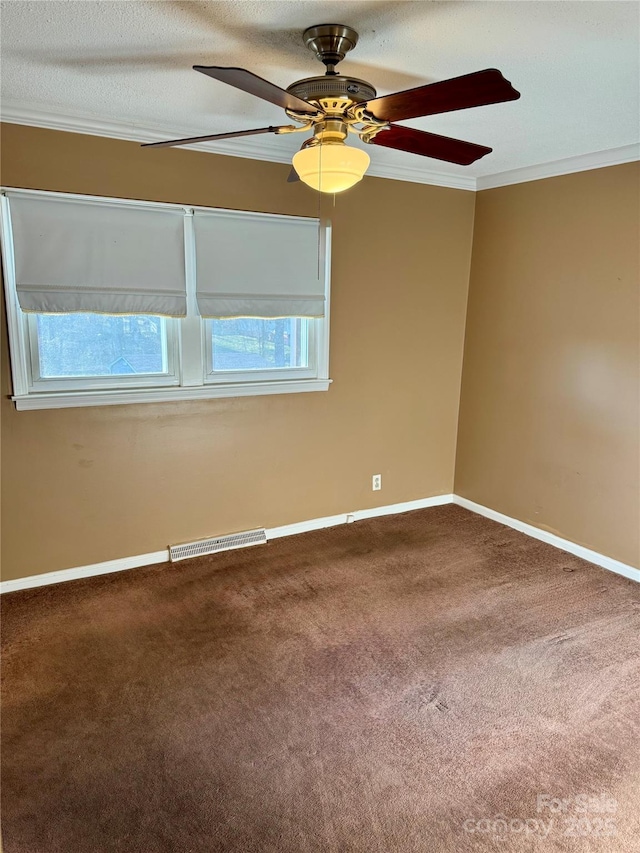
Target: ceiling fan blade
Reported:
point(459, 93)
point(254, 85)
point(430, 145)
point(293, 176)
point(190, 140)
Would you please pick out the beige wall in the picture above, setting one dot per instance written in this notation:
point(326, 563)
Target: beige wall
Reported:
point(86, 485)
point(549, 430)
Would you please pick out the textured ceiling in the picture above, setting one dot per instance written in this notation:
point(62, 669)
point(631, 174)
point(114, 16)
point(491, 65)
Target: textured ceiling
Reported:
point(575, 63)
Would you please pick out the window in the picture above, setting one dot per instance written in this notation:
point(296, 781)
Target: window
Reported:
point(258, 345)
point(75, 351)
point(111, 301)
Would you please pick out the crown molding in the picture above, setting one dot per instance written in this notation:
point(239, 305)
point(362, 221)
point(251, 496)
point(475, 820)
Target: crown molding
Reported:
point(128, 131)
point(72, 122)
point(579, 163)
point(421, 176)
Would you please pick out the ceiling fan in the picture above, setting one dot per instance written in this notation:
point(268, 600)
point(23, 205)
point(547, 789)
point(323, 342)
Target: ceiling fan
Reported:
point(333, 105)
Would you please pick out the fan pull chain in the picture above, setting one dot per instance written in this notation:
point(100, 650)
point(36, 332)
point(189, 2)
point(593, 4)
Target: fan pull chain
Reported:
point(319, 208)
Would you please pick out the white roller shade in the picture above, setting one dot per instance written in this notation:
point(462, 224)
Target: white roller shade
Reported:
point(257, 265)
point(75, 255)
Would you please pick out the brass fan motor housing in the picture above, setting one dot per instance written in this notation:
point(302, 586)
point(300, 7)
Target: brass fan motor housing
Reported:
point(343, 90)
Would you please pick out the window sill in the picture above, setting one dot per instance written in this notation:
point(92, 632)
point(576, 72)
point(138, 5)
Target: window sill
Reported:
point(76, 399)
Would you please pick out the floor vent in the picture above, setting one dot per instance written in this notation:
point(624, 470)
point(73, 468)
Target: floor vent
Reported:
point(219, 543)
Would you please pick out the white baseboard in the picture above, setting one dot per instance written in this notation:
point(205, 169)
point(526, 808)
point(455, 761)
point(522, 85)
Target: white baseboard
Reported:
point(163, 556)
point(357, 515)
point(332, 521)
point(85, 571)
point(551, 539)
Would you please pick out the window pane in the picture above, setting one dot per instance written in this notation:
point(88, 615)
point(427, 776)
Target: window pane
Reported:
point(100, 345)
point(253, 344)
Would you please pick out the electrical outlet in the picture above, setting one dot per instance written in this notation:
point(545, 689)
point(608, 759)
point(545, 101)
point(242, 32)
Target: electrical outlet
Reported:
point(376, 482)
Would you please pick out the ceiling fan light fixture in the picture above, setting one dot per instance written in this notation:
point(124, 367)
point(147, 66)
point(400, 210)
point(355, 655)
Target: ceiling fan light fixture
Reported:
point(331, 167)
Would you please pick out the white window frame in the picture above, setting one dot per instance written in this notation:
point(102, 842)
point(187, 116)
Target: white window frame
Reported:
point(188, 350)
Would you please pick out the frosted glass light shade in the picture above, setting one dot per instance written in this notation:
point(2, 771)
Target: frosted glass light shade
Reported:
point(332, 167)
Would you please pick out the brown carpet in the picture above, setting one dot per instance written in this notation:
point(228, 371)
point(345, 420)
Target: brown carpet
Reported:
point(412, 683)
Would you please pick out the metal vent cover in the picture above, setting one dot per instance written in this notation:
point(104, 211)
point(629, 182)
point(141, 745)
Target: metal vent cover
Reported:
point(341, 88)
point(217, 543)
